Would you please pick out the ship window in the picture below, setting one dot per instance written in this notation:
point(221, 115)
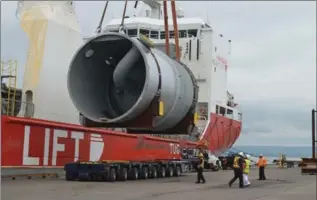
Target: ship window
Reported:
point(114, 30)
point(154, 34)
point(145, 32)
point(192, 33)
point(172, 35)
point(217, 109)
point(239, 116)
point(222, 111)
point(132, 32)
point(182, 34)
point(162, 34)
point(229, 113)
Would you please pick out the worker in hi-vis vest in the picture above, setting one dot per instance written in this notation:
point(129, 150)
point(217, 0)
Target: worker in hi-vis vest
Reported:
point(238, 169)
point(246, 171)
point(200, 167)
point(261, 164)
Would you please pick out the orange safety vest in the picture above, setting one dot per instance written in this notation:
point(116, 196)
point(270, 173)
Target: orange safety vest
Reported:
point(261, 162)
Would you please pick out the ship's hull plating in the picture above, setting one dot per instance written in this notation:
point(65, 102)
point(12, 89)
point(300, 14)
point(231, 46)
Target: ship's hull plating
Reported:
point(33, 142)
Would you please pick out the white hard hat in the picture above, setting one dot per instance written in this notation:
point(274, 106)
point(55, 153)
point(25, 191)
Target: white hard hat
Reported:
point(241, 154)
point(261, 155)
point(248, 156)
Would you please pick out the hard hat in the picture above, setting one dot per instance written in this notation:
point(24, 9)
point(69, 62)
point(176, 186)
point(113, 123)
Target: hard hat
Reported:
point(248, 156)
point(261, 155)
point(241, 154)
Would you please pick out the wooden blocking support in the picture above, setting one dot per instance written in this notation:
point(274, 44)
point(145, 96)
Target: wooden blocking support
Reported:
point(309, 166)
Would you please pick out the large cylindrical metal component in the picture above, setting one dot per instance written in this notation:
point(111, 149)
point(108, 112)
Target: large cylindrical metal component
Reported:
point(113, 80)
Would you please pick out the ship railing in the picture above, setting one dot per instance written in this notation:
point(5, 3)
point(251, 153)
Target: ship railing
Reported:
point(21, 109)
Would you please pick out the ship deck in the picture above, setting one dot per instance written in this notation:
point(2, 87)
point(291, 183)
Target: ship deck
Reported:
point(282, 184)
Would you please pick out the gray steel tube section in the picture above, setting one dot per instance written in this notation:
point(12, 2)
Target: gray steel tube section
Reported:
point(121, 90)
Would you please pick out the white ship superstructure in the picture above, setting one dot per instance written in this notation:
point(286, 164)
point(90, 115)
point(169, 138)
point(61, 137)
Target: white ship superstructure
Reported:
point(54, 35)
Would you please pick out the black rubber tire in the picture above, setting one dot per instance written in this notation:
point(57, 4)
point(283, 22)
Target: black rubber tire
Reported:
point(90, 177)
point(69, 177)
point(170, 171)
point(134, 174)
point(177, 171)
point(153, 172)
point(145, 173)
point(123, 174)
point(162, 173)
point(112, 175)
point(216, 167)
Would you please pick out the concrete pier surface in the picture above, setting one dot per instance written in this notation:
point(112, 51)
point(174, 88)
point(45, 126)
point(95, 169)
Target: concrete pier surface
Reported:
point(281, 184)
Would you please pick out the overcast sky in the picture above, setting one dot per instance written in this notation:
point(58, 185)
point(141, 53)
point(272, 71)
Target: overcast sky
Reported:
point(273, 69)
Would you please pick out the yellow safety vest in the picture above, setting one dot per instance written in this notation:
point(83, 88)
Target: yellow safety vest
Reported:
point(201, 157)
point(247, 166)
point(235, 162)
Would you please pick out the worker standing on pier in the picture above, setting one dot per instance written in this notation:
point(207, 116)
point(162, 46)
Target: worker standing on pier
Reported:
point(238, 163)
point(261, 164)
point(200, 167)
point(246, 171)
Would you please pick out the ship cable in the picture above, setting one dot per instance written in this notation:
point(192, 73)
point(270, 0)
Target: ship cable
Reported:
point(121, 28)
point(175, 29)
point(167, 47)
point(98, 30)
point(136, 4)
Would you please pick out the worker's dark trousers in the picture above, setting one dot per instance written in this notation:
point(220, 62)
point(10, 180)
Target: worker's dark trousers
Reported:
point(200, 175)
point(237, 175)
point(261, 173)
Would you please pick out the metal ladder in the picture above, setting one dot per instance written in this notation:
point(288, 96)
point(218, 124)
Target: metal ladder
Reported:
point(8, 73)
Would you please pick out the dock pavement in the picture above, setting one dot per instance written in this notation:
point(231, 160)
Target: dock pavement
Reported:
point(281, 184)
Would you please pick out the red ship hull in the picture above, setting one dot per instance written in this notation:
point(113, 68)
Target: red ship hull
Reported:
point(40, 143)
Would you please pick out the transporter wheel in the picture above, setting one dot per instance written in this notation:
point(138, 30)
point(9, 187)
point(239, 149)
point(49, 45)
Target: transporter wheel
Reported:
point(162, 173)
point(90, 177)
point(217, 167)
point(170, 171)
point(123, 174)
point(153, 172)
point(99, 177)
point(134, 174)
point(145, 173)
point(112, 175)
point(69, 177)
point(177, 171)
